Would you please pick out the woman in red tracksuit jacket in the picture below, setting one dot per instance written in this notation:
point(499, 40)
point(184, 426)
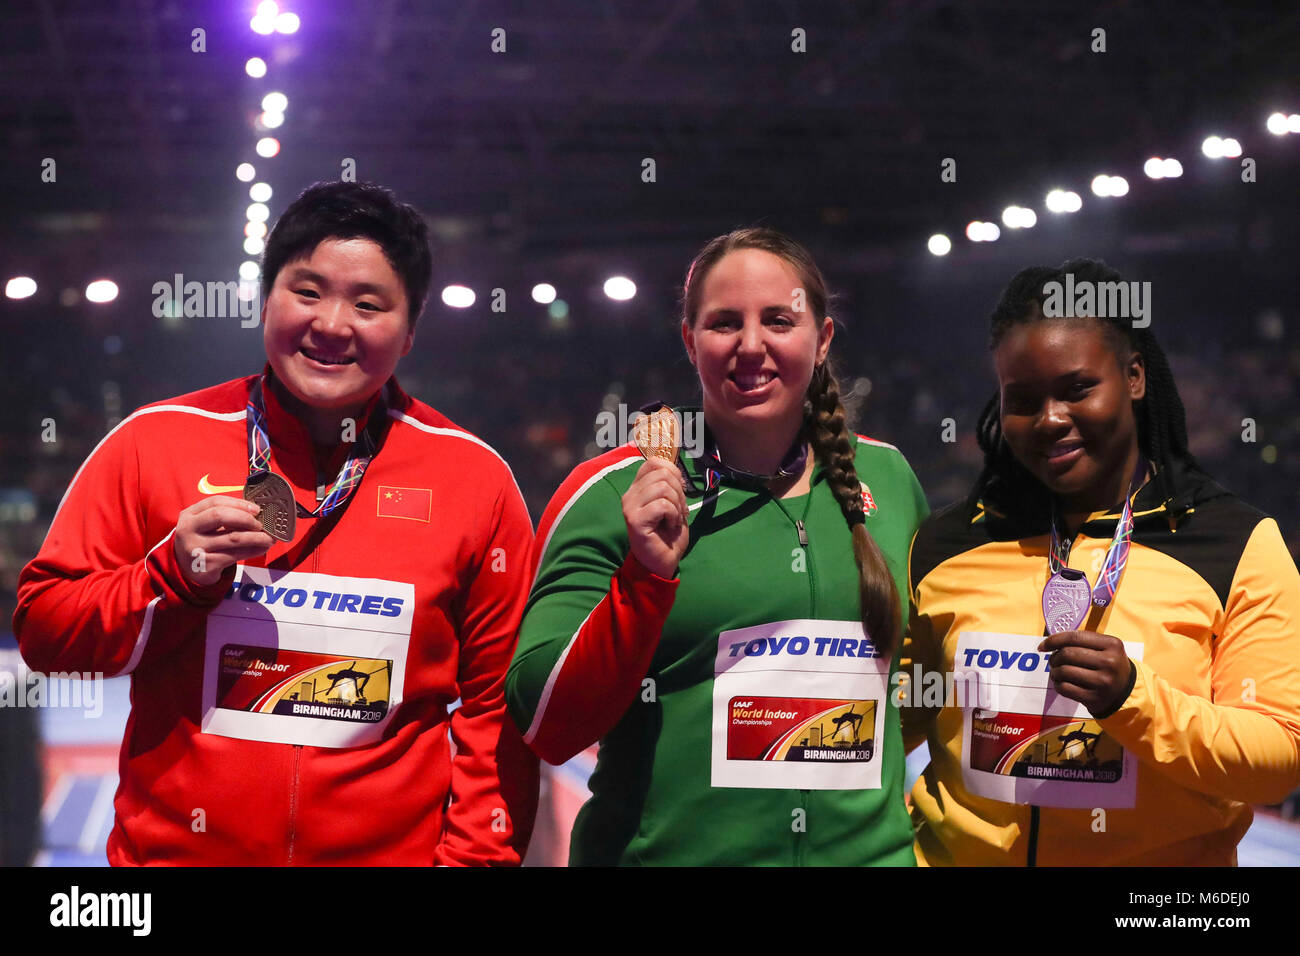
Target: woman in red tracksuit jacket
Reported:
point(291, 690)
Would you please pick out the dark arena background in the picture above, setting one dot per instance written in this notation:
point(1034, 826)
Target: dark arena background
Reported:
point(569, 144)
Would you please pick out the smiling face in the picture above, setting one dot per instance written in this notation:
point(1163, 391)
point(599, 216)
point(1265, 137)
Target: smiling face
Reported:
point(1067, 408)
point(753, 349)
point(335, 325)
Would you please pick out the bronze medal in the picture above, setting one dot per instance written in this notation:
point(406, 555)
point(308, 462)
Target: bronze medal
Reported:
point(279, 510)
point(657, 434)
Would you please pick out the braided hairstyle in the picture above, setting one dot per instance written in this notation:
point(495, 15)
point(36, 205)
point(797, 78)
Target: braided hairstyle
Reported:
point(1161, 420)
point(825, 424)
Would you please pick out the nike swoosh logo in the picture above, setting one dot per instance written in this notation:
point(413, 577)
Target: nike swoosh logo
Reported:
point(206, 487)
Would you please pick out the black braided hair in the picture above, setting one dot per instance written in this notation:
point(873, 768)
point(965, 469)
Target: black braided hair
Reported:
point(1161, 420)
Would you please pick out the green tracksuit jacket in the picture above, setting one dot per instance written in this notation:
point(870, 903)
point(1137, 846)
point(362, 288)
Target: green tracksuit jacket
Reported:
point(609, 651)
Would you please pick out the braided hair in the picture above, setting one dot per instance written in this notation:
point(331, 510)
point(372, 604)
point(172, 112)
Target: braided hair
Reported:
point(825, 424)
point(1161, 420)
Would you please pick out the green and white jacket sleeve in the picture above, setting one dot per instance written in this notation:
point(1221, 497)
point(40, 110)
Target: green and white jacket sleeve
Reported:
point(593, 621)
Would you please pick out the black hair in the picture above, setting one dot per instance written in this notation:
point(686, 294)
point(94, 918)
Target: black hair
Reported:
point(1161, 420)
point(340, 210)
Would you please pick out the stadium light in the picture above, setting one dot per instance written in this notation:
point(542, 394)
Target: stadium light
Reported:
point(20, 287)
point(620, 288)
point(458, 296)
point(101, 290)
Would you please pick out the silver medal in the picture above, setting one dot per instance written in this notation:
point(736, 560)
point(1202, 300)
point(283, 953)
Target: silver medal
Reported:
point(1066, 600)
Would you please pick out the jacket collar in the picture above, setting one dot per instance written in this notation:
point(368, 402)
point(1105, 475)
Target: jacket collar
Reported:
point(1150, 508)
point(693, 463)
point(290, 438)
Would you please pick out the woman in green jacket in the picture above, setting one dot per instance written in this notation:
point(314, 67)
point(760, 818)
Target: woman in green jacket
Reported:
point(726, 623)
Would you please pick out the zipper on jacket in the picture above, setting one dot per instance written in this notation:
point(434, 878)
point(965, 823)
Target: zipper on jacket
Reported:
point(1032, 859)
point(798, 837)
point(293, 798)
point(801, 532)
point(297, 752)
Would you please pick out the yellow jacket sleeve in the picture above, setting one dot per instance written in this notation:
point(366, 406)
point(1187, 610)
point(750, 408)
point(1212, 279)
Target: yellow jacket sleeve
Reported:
point(918, 660)
point(1244, 743)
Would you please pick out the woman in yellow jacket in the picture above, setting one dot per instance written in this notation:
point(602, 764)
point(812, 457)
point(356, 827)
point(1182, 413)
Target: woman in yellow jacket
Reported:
point(1103, 650)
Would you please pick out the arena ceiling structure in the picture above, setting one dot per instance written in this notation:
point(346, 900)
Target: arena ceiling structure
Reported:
point(536, 149)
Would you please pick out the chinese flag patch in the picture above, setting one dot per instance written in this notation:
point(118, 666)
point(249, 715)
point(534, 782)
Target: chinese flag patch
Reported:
point(413, 503)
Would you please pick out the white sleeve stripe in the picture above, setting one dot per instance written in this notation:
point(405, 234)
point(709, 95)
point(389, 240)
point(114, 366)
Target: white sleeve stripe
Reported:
point(187, 409)
point(458, 433)
point(872, 441)
point(142, 638)
point(545, 699)
point(546, 542)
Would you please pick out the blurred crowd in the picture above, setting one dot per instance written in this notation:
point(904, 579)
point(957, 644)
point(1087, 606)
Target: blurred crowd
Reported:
point(537, 402)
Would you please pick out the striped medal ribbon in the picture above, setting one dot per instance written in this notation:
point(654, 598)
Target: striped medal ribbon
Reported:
point(272, 492)
point(1067, 595)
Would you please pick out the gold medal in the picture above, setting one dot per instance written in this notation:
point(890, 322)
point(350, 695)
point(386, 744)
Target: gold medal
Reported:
point(279, 510)
point(658, 435)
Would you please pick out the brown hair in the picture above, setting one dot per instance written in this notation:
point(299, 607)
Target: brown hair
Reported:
point(825, 424)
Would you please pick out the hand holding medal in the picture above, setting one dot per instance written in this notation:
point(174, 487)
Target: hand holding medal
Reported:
point(654, 507)
point(1089, 667)
point(1086, 666)
point(216, 533)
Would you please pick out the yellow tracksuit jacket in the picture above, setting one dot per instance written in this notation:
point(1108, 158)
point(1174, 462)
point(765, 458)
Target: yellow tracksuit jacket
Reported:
point(1214, 713)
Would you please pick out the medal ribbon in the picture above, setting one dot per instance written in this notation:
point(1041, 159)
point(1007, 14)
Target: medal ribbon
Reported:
point(715, 471)
point(1112, 568)
point(349, 476)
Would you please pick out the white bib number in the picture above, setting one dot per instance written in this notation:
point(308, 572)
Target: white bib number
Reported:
point(1022, 742)
point(301, 658)
point(798, 705)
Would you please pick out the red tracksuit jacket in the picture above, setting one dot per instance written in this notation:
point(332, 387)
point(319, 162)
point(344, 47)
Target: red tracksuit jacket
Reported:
point(297, 711)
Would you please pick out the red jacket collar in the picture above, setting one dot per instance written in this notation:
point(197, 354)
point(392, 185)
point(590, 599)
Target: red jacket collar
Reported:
point(290, 438)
